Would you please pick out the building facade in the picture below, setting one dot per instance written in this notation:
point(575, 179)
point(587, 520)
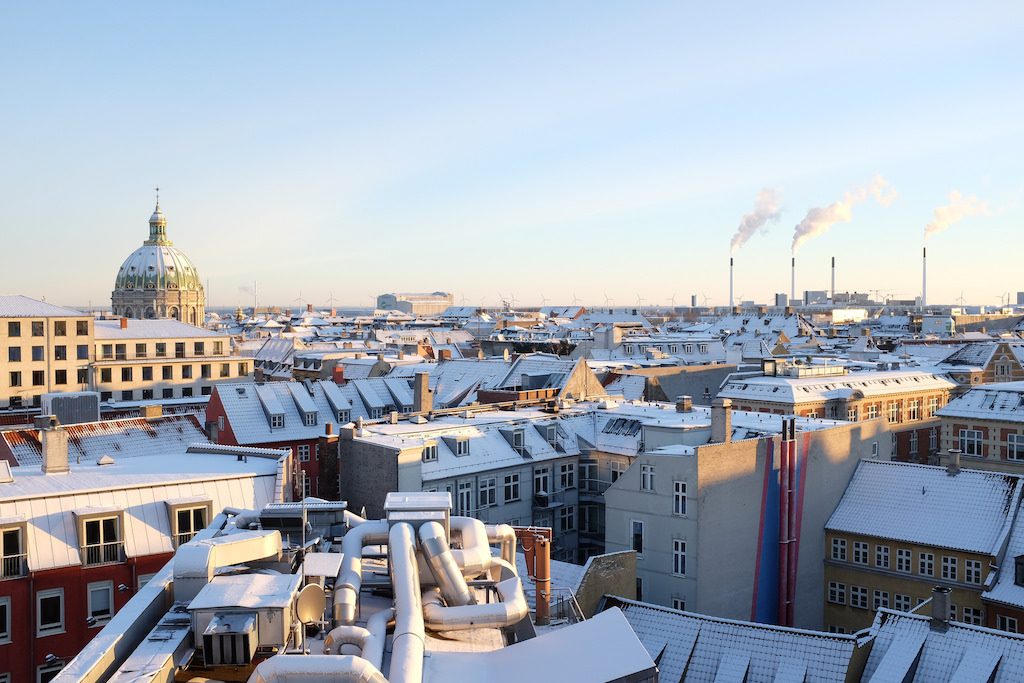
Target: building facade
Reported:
point(986, 425)
point(416, 303)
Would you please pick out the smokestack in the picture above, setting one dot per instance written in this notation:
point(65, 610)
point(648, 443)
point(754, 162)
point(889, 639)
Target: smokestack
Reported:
point(693, 301)
point(730, 282)
point(833, 279)
point(924, 277)
point(721, 420)
point(940, 606)
point(792, 281)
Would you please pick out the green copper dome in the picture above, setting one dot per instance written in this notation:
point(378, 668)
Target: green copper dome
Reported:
point(157, 264)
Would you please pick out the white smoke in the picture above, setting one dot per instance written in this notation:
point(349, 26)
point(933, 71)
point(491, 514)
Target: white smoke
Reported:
point(819, 219)
point(959, 207)
point(766, 210)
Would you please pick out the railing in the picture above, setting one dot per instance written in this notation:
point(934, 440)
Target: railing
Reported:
point(593, 486)
point(103, 553)
point(563, 606)
point(12, 566)
point(183, 537)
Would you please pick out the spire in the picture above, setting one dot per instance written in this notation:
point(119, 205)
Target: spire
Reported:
point(158, 224)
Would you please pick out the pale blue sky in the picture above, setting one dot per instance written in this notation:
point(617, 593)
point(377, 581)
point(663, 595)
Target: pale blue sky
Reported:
point(531, 148)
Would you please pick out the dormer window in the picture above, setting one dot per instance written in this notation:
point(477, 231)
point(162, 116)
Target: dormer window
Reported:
point(462, 447)
point(14, 561)
point(430, 452)
point(1018, 573)
point(552, 434)
point(310, 419)
point(100, 537)
point(276, 421)
point(344, 416)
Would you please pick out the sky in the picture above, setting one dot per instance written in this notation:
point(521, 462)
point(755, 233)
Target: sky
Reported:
point(536, 150)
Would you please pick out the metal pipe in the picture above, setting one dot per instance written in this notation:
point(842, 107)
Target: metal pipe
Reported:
point(791, 546)
point(474, 558)
point(511, 610)
point(346, 634)
point(316, 669)
point(350, 574)
point(833, 279)
point(924, 277)
point(504, 535)
point(407, 642)
point(377, 625)
point(783, 529)
point(542, 578)
point(730, 282)
point(792, 283)
point(442, 565)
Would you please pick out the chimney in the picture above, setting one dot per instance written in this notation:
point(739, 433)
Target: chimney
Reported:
point(393, 417)
point(542, 579)
point(422, 397)
point(924, 277)
point(328, 428)
point(684, 404)
point(309, 308)
point(124, 323)
point(721, 420)
point(693, 301)
point(53, 441)
point(792, 280)
point(730, 282)
point(788, 310)
point(940, 606)
point(152, 412)
point(953, 463)
point(833, 279)
point(338, 374)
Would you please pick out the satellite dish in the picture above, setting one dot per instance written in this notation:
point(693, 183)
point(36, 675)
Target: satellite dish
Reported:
point(310, 605)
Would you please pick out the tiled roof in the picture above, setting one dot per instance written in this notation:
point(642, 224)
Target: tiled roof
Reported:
point(695, 648)
point(924, 505)
point(1006, 590)
point(18, 306)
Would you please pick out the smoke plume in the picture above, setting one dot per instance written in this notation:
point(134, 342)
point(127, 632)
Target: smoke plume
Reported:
point(959, 207)
point(766, 210)
point(819, 219)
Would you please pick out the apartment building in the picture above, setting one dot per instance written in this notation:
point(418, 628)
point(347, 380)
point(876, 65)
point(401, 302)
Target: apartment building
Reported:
point(82, 534)
point(986, 424)
point(416, 303)
point(144, 360)
point(906, 399)
point(985, 362)
point(901, 529)
point(726, 508)
point(46, 348)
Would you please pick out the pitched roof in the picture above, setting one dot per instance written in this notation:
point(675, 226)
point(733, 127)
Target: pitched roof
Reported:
point(924, 505)
point(18, 306)
point(1003, 402)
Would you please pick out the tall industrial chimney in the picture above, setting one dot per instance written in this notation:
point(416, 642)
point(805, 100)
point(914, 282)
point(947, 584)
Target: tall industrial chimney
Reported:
point(730, 282)
point(924, 277)
point(792, 282)
point(833, 279)
point(693, 301)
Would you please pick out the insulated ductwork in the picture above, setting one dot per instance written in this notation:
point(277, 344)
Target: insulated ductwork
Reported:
point(443, 567)
point(369, 640)
point(197, 561)
point(511, 610)
point(504, 535)
point(316, 669)
point(407, 643)
point(474, 558)
point(350, 575)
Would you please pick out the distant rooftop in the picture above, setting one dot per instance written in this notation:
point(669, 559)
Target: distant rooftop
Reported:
point(150, 329)
point(18, 306)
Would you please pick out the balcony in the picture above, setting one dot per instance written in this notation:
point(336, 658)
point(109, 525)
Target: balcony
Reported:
point(102, 553)
point(547, 501)
point(13, 566)
point(593, 489)
point(182, 538)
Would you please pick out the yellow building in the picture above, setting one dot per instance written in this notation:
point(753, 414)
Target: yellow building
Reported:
point(141, 360)
point(902, 529)
point(46, 348)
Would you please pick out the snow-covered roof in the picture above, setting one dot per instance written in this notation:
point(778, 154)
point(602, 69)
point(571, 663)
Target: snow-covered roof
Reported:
point(18, 306)
point(696, 647)
point(1006, 590)
point(796, 390)
point(630, 387)
point(1003, 402)
point(151, 329)
point(907, 648)
point(924, 505)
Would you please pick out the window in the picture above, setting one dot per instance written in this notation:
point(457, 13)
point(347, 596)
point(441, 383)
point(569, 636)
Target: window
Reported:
point(50, 611)
point(15, 379)
point(567, 475)
point(860, 552)
point(972, 571)
point(679, 498)
point(567, 518)
point(303, 452)
point(276, 421)
point(881, 599)
point(45, 674)
point(926, 564)
point(5, 620)
point(37, 353)
point(638, 537)
point(147, 394)
point(218, 347)
point(949, 568)
point(188, 521)
point(82, 327)
point(243, 369)
point(101, 602)
point(913, 442)
point(511, 487)
point(1005, 623)
point(60, 328)
point(121, 351)
point(679, 557)
point(858, 597)
point(106, 375)
point(832, 628)
point(1015, 446)
point(128, 395)
point(186, 372)
point(102, 540)
point(60, 376)
point(126, 374)
point(972, 615)
point(199, 348)
point(225, 369)
point(894, 412)
point(167, 393)
point(38, 378)
point(851, 415)
point(430, 453)
point(140, 350)
point(970, 441)
point(872, 411)
point(179, 349)
point(933, 405)
point(914, 409)
point(882, 556)
point(307, 487)
point(106, 395)
point(903, 560)
point(108, 351)
point(639, 588)
point(617, 469)
point(462, 447)
point(205, 371)
point(167, 372)
point(901, 602)
point(647, 477)
point(37, 328)
point(541, 481)
point(14, 354)
point(82, 352)
point(679, 604)
point(147, 373)
point(488, 492)
point(13, 329)
point(161, 349)
point(837, 593)
point(839, 549)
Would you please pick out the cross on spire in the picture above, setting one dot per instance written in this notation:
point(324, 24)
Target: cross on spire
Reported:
point(157, 196)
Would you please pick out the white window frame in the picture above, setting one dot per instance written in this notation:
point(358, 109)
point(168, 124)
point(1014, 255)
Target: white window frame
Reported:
point(913, 442)
point(926, 564)
point(679, 604)
point(462, 447)
point(678, 557)
point(276, 421)
point(567, 518)
point(60, 627)
point(487, 495)
point(647, 477)
point(859, 597)
point(48, 669)
point(972, 571)
point(950, 567)
point(302, 451)
point(913, 409)
point(894, 412)
point(880, 599)
point(679, 498)
point(839, 549)
point(5, 627)
point(972, 615)
point(933, 405)
point(552, 434)
point(542, 480)
point(108, 586)
point(933, 439)
point(882, 556)
point(837, 593)
point(632, 537)
point(972, 437)
point(871, 412)
point(1015, 447)
point(1008, 624)
point(902, 602)
point(617, 470)
point(860, 552)
point(510, 486)
point(429, 452)
point(567, 475)
point(904, 560)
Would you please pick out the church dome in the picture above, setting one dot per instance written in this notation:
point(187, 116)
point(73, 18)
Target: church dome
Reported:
point(157, 264)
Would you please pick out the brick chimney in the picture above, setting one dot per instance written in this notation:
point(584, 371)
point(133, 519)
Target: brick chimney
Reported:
point(422, 396)
point(721, 420)
point(53, 442)
point(684, 404)
point(124, 323)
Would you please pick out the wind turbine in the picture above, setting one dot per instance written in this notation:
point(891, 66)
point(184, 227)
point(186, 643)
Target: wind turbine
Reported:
point(575, 299)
